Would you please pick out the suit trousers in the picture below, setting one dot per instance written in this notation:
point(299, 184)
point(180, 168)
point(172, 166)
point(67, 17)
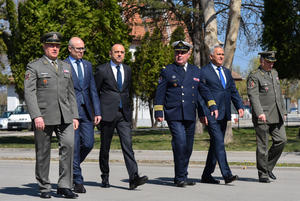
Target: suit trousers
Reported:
point(83, 144)
point(65, 136)
point(182, 145)
point(124, 131)
point(216, 152)
point(267, 159)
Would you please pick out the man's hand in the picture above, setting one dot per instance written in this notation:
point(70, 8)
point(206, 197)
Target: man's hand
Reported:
point(39, 123)
point(204, 120)
point(216, 113)
point(262, 117)
point(241, 113)
point(160, 119)
point(97, 120)
point(75, 124)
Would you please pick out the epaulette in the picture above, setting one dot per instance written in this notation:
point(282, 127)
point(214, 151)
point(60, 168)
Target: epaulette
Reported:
point(34, 60)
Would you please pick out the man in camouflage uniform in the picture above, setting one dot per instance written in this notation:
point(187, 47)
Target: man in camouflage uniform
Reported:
point(268, 115)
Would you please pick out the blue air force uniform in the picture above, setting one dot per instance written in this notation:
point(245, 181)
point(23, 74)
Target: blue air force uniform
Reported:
point(177, 99)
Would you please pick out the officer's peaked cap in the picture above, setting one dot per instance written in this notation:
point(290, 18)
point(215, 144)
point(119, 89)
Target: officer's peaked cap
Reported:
point(181, 46)
point(52, 37)
point(268, 55)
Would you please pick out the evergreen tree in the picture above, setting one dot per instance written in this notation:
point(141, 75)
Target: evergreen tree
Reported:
point(178, 34)
point(98, 23)
point(281, 21)
point(150, 57)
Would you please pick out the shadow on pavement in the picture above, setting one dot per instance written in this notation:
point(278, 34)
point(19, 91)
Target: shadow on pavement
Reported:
point(28, 189)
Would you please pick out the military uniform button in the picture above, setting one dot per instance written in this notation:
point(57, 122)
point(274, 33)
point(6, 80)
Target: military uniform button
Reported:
point(193, 95)
point(183, 94)
point(193, 101)
point(181, 87)
point(193, 87)
point(183, 101)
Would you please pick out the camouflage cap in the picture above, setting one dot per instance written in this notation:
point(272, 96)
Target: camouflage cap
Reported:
point(268, 55)
point(52, 37)
point(181, 46)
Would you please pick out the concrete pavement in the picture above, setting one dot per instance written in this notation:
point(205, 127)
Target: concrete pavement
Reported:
point(152, 157)
point(17, 183)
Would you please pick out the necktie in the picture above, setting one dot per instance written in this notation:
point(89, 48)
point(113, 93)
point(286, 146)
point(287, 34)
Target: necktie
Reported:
point(221, 77)
point(55, 65)
point(119, 82)
point(79, 73)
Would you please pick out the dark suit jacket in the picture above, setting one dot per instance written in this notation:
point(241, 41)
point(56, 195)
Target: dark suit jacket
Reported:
point(223, 97)
point(177, 93)
point(88, 91)
point(109, 93)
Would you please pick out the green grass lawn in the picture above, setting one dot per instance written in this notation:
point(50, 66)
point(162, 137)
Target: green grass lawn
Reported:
point(160, 139)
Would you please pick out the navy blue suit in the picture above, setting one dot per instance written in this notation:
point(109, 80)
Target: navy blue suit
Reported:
point(177, 97)
point(217, 128)
point(88, 105)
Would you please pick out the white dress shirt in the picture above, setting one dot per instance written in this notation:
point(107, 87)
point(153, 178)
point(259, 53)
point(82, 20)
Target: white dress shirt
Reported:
point(114, 69)
point(217, 71)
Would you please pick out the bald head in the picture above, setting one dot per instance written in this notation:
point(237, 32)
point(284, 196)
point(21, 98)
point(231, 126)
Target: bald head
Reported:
point(76, 47)
point(117, 53)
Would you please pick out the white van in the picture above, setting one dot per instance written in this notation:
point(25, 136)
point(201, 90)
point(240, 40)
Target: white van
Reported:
point(19, 119)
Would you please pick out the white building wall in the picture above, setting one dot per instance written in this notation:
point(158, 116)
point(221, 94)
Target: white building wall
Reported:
point(12, 98)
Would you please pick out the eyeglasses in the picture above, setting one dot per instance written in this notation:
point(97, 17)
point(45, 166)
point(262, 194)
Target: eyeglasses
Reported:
point(79, 49)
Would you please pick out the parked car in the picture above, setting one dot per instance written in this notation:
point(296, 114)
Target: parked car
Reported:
point(294, 110)
point(19, 119)
point(4, 119)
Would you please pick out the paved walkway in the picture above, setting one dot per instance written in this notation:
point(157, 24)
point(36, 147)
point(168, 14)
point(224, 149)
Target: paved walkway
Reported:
point(154, 157)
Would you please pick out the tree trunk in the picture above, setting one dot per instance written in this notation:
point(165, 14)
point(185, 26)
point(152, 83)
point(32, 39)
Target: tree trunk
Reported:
point(197, 48)
point(210, 23)
point(233, 26)
point(230, 46)
point(150, 105)
point(134, 122)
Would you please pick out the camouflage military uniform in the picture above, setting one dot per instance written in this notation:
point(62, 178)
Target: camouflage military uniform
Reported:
point(266, 98)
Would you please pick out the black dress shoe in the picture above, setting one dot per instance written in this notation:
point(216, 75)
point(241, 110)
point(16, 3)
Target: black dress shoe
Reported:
point(79, 188)
point(264, 180)
point(105, 181)
point(180, 184)
point(45, 195)
point(231, 179)
point(66, 192)
point(272, 176)
point(209, 180)
point(137, 181)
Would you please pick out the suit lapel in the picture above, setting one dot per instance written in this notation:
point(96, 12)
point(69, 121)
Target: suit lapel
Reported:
point(74, 75)
point(216, 77)
point(111, 75)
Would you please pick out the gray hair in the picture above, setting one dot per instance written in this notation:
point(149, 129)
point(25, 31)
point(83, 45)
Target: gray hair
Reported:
point(212, 49)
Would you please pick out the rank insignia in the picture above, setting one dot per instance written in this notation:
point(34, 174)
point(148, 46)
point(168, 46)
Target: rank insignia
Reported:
point(27, 76)
point(251, 84)
point(266, 88)
point(159, 79)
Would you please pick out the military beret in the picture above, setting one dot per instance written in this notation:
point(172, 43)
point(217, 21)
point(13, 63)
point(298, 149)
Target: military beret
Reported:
point(181, 46)
point(268, 55)
point(52, 37)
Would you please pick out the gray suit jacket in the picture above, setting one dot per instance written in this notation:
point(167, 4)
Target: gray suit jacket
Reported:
point(50, 94)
